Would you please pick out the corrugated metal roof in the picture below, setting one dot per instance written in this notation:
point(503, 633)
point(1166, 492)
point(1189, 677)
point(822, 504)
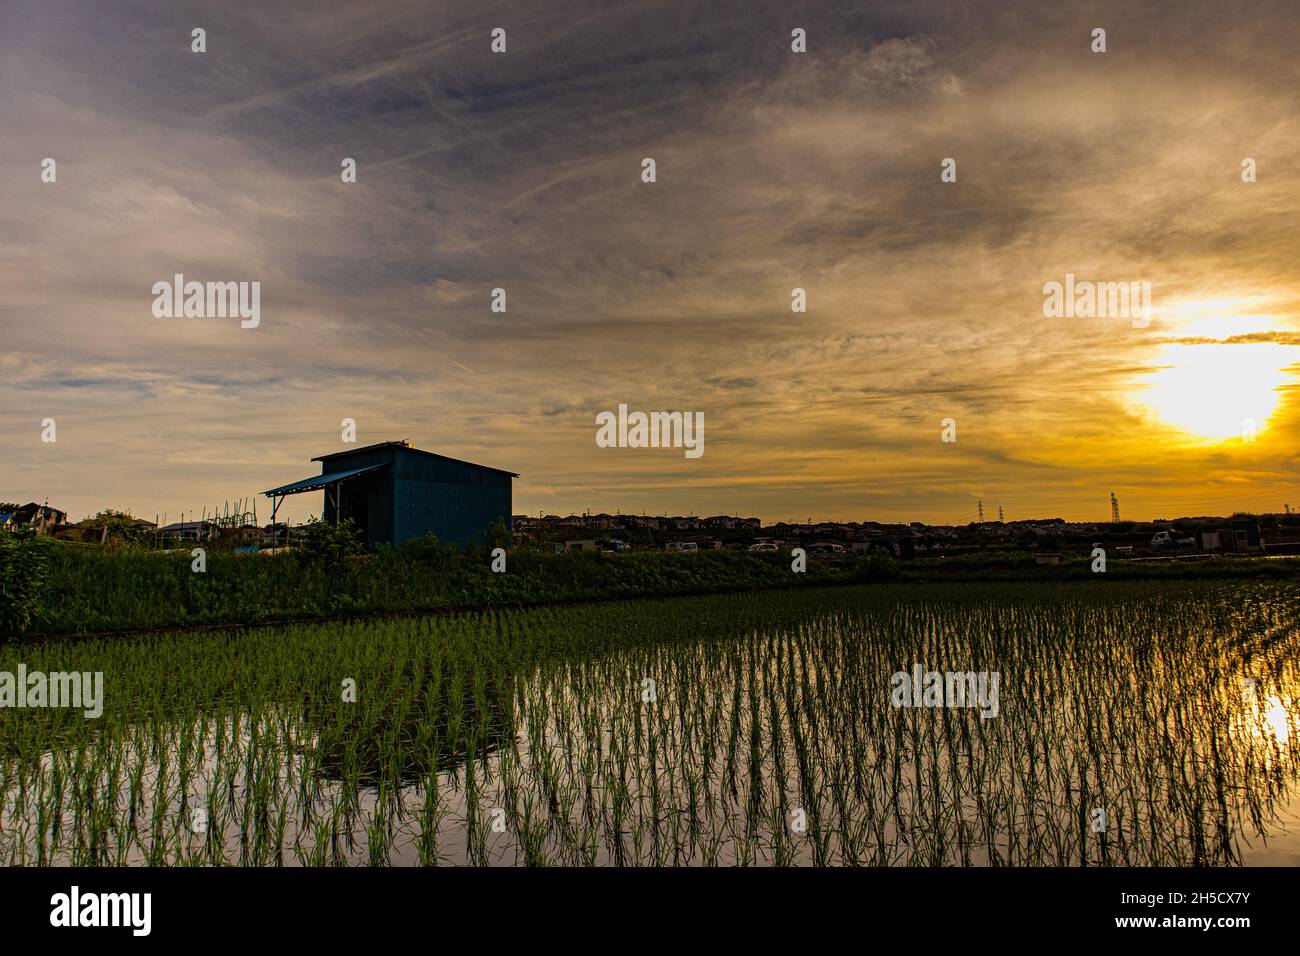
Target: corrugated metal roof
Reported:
point(407, 446)
point(317, 482)
point(353, 451)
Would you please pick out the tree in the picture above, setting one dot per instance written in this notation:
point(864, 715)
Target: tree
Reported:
point(119, 524)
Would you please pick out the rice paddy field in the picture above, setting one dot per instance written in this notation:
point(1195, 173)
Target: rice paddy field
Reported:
point(1138, 723)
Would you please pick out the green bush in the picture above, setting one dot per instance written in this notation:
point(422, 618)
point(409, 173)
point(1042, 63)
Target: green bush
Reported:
point(24, 576)
point(875, 566)
point(428, 549)
point(497, 536)
point(330, 542)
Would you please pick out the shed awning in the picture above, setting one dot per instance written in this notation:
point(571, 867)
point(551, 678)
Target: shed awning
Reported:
point(317, 482)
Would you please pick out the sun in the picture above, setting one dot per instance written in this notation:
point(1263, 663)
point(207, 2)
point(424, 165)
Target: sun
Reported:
point(1212, 385)
point(1217, 391)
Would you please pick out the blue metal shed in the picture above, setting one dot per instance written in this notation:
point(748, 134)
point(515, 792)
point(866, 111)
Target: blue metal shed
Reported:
point(394, 492)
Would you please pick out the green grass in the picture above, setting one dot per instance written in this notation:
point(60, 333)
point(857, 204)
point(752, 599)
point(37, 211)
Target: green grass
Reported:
point(94, 591)
point(525, 737)
point(90, 590)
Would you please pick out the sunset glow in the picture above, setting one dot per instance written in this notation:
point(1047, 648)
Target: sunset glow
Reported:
point(776, 172)
point(1218, 392)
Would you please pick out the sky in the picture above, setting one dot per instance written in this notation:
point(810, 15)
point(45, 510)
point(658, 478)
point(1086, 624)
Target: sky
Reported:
point(774, 170)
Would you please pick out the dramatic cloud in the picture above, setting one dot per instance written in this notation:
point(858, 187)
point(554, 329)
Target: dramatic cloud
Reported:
point(775, 170)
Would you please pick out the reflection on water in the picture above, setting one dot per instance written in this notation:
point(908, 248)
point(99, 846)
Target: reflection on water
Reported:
point(1156, 729)
point(1275, 715)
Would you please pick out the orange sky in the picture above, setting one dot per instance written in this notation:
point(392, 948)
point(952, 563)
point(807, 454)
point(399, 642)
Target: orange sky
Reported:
point(775, 170)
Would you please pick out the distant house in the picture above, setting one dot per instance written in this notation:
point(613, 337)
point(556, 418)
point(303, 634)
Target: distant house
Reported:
point(188, 530)
point(642, 521)
point(1246, 536)
point(42, 518)
point(731, 521)
point(1209, 540)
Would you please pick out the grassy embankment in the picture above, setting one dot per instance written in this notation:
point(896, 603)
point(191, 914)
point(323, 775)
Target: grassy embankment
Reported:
point(49, 588)
point(84, 589)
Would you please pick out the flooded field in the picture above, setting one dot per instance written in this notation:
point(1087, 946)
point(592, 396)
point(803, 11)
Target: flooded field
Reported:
point(1130, 724)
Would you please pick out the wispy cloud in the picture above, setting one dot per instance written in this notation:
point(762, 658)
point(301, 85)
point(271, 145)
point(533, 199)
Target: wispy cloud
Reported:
point(775, 170)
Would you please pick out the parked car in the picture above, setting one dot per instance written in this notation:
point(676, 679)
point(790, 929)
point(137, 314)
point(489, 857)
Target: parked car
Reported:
point(825, 548)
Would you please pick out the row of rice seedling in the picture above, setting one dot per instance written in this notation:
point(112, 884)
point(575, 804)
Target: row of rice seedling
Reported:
point(1136, 724)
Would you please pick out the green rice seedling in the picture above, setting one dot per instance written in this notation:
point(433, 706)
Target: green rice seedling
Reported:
point(1169, 706)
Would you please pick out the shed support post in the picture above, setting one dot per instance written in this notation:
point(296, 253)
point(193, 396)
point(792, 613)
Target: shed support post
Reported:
point(275, 506)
